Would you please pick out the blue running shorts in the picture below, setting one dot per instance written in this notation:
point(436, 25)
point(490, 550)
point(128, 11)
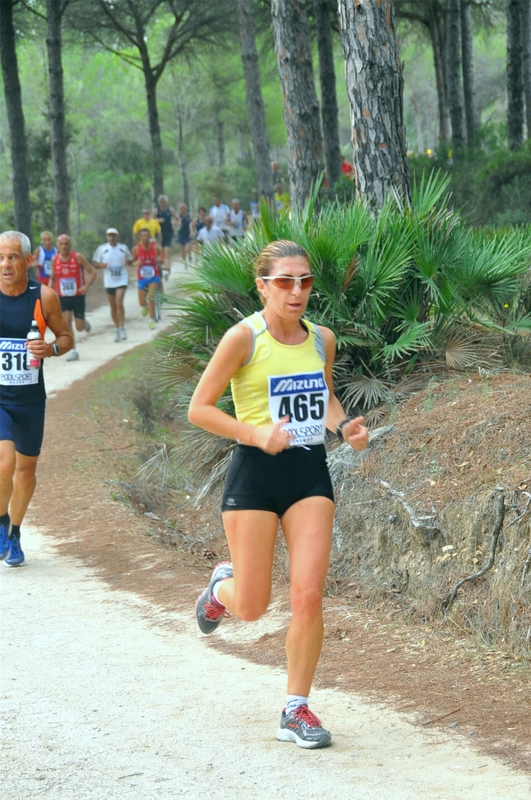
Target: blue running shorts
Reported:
point(143, 283)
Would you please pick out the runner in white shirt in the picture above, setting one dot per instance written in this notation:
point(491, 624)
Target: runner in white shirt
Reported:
point(219, 212)
point(210, 234)
point(113, 257)
point(237, 221)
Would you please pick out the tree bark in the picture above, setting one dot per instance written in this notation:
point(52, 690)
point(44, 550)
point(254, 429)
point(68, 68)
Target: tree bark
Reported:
point(255, 101)
point(327, 78)
point(437, 41)
point(157, 155)
point(526, 38)
point(469, 83)
point(220, 136)
point(453, 71)
point(61, 205)
point(418, 121)
point(301, 108)
point(515, 75)
point(375, 88)
point(15, 119)
point(181, 157)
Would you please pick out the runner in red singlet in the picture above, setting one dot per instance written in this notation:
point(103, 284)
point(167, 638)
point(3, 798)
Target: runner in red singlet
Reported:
point(147, 258)
point(68, 280)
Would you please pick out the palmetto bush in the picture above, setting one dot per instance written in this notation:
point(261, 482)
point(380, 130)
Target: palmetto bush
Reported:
point(408, 291)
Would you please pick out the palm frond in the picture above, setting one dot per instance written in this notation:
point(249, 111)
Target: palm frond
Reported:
point(414, 337)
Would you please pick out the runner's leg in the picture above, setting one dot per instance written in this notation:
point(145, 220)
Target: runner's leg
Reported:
point(7, 470)
point(152, 288)
point(120, 310)
point(251, 538)
point(24, 482)
point(113, 306)
point(307, 527)
point(167, 259)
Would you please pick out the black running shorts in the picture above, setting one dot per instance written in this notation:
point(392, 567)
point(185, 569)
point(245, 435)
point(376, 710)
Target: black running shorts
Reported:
point(75, 304)
point(24, 426)
point(261, 482)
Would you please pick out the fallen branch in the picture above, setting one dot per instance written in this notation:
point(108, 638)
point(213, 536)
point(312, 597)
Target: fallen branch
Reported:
point(443, 716)
point(498, 525)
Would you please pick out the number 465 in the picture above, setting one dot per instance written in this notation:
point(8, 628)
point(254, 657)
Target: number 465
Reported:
point(301, 407)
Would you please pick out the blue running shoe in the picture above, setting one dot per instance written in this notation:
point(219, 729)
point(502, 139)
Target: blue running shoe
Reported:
point(303, 728)
point(208, 611)
point(16, 556)
point(5, 531)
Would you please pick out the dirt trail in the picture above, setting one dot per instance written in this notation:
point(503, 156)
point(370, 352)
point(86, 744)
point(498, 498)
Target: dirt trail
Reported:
point(107, 695)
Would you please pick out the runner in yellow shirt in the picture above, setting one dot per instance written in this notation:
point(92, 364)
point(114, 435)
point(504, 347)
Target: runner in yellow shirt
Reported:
point(147, 221)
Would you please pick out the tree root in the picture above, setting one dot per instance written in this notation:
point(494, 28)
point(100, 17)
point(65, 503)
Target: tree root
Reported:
point(498, 525)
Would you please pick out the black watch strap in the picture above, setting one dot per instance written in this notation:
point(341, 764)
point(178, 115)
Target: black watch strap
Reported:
point(55, 348)
point(339, 429)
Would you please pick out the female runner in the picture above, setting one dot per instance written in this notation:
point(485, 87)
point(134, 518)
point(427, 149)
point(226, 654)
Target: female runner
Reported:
point(279, 366)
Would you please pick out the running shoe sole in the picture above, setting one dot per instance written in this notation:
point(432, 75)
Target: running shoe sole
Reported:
point(283, 735)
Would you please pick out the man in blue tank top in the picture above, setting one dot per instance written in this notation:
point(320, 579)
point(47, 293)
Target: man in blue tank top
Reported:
point(22, 392)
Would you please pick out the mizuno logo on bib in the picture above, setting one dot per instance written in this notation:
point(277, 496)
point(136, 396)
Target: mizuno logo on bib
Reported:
point(303, 397)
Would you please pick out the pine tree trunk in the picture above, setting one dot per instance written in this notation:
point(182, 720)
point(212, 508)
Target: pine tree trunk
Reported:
point(437, 42)
point(220, 137)
point(255, 102)
point(157, 155)
point(515, 75)
point(61, 205)
point(327, 77)
point(15, 119)
point(526, 38)
point(469, 83)
point(301, 108)
point(181, 157)
point(453, 71)
point(375, 90)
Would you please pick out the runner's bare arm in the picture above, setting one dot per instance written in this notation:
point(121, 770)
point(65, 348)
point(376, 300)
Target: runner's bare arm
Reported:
point(354, 433)
point(232, 352)
point(51, 309)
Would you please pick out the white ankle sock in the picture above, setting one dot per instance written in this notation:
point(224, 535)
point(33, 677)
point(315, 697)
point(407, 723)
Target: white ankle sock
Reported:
point(293, 701)
point(215, 590)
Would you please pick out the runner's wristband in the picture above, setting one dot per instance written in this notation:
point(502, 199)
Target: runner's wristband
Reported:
point(339, 429)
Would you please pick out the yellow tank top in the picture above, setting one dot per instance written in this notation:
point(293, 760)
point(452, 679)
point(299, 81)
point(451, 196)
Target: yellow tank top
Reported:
point(281, 380)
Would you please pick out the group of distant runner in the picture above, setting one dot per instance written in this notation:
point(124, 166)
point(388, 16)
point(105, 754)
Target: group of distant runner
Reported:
point(70, 274)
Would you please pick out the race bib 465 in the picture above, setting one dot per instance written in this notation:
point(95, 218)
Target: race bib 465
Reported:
point(303, 397)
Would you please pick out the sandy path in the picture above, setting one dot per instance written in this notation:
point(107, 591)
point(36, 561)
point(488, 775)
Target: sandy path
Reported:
point(106, 696)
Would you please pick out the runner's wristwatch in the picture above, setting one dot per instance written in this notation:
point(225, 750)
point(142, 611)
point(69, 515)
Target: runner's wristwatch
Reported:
point(55, 348)
point(339, 429)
